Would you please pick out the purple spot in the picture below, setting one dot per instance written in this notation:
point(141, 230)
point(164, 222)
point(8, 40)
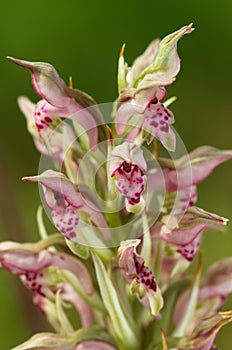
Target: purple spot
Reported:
point(126, 166)
point(70, 221)
point(153, 123)
point(48, 119)
point(164, 128)
point(39, 126)
point(154, 100)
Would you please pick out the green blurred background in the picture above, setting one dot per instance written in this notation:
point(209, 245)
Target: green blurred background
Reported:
point(83, 39)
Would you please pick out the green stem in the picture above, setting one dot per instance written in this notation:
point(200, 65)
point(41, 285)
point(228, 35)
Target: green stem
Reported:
point(51, 240)
point(39, 217)
point(146, 248)
point(158, 258)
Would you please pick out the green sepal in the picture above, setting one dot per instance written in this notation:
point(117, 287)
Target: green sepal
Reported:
point(122, 71)
point(64, 321)
point(78, 249)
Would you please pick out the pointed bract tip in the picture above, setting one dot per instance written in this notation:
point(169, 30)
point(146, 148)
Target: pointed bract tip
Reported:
point(70, 82)
point(225, 221)
point(122, 50)
point(32, 66)
point(16, 61)
point(190, 28)
point(29, 178)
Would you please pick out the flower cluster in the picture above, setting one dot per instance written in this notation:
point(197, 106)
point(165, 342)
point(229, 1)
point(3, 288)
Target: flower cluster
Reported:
point(126, 219)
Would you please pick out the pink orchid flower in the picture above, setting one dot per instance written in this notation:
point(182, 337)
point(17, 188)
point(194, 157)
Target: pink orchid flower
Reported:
point(185, 233)
point(58, 101)
point(128, 165)
point(38, 272)
point(67, 204)
point(55, 142)
point(140, 277)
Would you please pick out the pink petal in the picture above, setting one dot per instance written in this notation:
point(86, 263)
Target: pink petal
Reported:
point(182, 236)
point(157, 124)
point(190, 226)
point(195, 167)
point(21, 261)
point(189, 251)
point(124, 112)
point(66, 220)
point(46, 115)
point(127, 152)
point(184, 199)
point(131, 184)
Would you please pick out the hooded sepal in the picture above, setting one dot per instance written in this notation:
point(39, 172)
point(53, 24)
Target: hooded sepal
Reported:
point(143, 61)
point(58, 102)
point(167, 63)
point(46, 82)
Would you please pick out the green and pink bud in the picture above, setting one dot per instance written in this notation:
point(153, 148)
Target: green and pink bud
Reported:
point(142, 90)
